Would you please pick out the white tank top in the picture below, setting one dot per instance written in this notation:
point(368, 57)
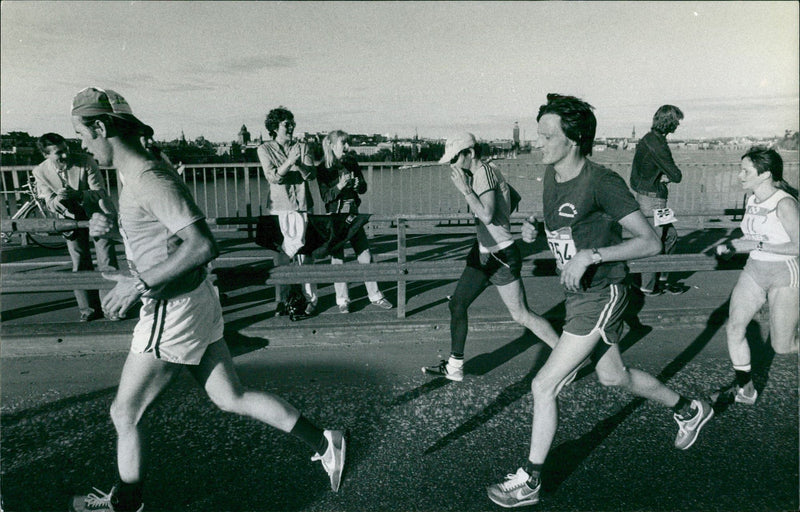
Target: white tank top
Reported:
point(761, 223)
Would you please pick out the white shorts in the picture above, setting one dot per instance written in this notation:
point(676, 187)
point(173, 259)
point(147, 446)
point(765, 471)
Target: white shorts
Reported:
point(178, 330)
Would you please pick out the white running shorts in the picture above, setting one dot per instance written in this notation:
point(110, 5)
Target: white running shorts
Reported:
point(178, 330)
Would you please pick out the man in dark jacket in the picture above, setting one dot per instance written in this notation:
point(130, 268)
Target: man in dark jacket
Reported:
point(653, 168)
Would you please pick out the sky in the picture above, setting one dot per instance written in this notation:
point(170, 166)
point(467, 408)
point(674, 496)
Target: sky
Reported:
point(432, 68)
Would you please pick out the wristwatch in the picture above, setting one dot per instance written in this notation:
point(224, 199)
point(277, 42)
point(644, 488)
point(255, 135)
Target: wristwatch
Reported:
point(141, 286)
point(596, 257)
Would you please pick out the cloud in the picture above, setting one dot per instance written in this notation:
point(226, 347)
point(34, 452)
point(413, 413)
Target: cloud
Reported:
point(252, 63)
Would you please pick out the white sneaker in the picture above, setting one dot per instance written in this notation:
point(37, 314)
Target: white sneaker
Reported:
point(514, 491)
point(100, 502)
point(688, 429)
point(444, 369)
point(734, 393)
point(334, 457)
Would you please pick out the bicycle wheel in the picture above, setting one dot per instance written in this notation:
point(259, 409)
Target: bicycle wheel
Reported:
point(46, 240)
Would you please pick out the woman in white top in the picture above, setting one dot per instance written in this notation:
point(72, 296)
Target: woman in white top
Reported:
point(770, 228)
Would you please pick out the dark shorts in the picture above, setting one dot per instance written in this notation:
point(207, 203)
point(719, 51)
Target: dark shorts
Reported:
point(501, 267)
point(597, 311)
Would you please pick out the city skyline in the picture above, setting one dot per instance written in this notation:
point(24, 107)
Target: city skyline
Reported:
point(404, 68)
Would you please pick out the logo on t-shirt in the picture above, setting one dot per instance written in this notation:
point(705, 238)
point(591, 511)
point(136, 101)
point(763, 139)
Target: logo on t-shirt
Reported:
point(567, 210)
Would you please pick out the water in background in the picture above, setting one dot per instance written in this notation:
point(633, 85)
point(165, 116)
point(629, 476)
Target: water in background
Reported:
point(710, 184)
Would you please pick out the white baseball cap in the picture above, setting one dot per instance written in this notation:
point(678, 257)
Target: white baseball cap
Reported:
point(456, 144)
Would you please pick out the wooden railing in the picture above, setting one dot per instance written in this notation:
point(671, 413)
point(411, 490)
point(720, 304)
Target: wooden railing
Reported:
point(402, 271)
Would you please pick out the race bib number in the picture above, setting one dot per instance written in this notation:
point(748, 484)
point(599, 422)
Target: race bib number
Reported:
point(663, 216)
point(561, 244)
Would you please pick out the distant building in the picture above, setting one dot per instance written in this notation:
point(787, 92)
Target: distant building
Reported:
point(516, 135)
point(244, 136)
point(364, 150)
point(223, 149)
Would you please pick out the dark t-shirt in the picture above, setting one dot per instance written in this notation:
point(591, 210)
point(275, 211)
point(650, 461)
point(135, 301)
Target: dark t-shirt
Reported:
point(583, 213)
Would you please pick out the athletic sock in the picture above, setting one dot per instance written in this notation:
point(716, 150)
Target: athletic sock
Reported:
point(310, 434)
point(127, 497)
point(742, 375)
point(535, 473)
point(683, 408)
point(456, 360)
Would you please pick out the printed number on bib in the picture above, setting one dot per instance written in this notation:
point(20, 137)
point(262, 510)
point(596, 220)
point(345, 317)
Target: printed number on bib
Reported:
point(562, 245)
point(662, 216)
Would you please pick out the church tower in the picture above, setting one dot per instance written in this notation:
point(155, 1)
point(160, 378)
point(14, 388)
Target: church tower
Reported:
point(244, 136)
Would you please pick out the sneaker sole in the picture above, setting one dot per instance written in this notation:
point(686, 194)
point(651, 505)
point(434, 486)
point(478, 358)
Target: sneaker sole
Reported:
point(525, 503)
point(697, 432)
point(344, 461)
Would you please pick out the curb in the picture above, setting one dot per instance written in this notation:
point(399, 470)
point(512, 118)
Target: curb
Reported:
point(73, 338)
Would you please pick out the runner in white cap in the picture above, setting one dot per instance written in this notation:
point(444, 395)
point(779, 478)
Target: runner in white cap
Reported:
point(494, 257)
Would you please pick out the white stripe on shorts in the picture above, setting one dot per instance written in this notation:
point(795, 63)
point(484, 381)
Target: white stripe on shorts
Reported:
point(794, 273)
point(608, 309)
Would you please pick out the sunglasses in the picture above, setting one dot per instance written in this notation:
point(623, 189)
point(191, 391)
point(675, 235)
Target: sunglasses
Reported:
point(458, 155)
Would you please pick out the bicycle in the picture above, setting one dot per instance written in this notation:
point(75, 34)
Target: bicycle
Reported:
point(35, 208)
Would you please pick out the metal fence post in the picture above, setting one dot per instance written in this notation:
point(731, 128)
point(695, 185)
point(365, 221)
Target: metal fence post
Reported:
point(401, 263)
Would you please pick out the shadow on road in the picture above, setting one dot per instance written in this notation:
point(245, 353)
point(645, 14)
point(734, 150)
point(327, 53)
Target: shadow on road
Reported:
point(37, 309)
point(9, 420)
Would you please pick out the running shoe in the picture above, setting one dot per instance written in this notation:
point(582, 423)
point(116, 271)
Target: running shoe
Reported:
point(735, 393)
point(443, 369)
point(689, 428)
point(100, 502)
point(383, 304)
point(514, 491)
point(334, 457)
point(344, 308)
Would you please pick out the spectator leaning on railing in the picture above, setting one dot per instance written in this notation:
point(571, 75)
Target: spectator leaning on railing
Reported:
point(652, 170)
point(289, 168)
point(72, 187)
point(341, 182)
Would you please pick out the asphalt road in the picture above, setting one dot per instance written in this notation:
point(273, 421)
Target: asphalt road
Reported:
point(415, 443)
